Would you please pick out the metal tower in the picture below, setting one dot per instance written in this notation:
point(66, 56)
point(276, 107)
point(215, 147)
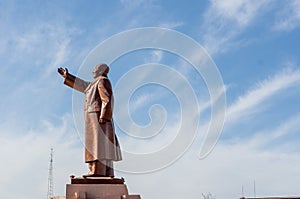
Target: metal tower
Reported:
point(50, 177)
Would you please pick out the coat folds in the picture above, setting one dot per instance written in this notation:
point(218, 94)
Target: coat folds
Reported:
point(101, 142)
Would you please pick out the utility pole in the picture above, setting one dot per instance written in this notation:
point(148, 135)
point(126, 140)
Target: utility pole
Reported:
point(50, 177)
point(254, 189)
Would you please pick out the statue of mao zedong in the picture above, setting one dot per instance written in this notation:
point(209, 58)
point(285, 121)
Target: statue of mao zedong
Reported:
point(101, 144)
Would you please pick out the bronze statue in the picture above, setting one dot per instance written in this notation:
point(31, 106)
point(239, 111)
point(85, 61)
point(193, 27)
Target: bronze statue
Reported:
point(101, 144)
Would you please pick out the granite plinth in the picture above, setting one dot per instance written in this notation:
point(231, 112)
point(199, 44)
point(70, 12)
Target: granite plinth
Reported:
point(98, 188)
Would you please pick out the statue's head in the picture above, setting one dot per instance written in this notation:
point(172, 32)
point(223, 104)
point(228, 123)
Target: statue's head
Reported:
point(100, 69)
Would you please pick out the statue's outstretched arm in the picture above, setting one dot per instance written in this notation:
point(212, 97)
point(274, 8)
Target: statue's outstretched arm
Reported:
point(73, 81)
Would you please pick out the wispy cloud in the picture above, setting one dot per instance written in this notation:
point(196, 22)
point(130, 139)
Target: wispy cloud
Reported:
point(156, 57)
point(31, 52)
point(248, 103)
point(141, 100)
point(264, 140)
point(60, 56)
point(48, 43)
point(289, 127)
point(171, 25)
point(146, 13)
point(135, 3)
point(224, 20)
point(289, 17)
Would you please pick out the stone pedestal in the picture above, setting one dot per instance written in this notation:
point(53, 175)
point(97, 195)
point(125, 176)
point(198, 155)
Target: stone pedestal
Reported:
point(98, 188)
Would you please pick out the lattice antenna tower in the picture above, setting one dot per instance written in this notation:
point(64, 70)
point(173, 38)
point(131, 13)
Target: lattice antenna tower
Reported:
point(50, 177)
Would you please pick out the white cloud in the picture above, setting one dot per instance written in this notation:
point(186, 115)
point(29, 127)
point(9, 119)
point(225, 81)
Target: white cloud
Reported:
point(25, 158)
point(224, 20)
point(223, 173)
point(147, 13)
point(141, 100)
point(288, 17)
point(248, 103)
point(29, 41)
point(289, 127)
point(60, 56)
point(266, 138)
point(156, 57)
point(241, 164)
point(240, 12)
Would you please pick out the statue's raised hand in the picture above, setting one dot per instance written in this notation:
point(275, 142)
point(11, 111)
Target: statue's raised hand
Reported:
point(63, 72)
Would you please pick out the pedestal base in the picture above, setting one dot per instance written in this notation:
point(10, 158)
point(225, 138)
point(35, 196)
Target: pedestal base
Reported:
point(98, 188)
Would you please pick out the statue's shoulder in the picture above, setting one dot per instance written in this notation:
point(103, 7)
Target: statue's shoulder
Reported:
point(103, 79)
point(98, 79)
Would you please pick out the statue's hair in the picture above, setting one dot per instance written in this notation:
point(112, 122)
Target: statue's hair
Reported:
point(102, 68)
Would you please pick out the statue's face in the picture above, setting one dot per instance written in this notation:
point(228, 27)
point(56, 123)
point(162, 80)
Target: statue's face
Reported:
point(95, 74)
point(99, 70)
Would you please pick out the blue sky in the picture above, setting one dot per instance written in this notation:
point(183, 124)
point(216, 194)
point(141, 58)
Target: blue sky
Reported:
point(254, 44)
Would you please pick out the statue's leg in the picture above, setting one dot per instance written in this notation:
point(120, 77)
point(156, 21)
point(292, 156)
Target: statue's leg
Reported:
point(97, 169)
point(103, 168)
point(100, 168)
point(109, 168)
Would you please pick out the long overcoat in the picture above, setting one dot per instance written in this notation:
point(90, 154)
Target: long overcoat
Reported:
point(101, 142)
